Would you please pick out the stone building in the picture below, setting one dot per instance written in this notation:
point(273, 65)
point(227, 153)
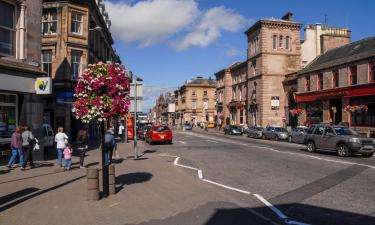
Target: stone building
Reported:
point(274, 50)
point(231, 93)
point(19, 67)
point(74, 34)
point(339, 78)
point(195, 101)
point(320, 38)
point(164, 109)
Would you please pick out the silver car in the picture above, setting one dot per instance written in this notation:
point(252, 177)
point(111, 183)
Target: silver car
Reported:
point(297, 135)
point(277, 133)
point(255, 132)
point(340, 139)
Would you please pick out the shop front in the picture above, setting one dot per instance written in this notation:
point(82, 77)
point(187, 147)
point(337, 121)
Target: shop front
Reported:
point(8, 116)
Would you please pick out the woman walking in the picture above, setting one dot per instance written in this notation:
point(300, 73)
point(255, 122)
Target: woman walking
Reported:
point(81, 143)
point(61, 140)
point(28, 142)
point(16, 146)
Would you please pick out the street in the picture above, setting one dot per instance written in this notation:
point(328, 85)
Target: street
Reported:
point(312, 188)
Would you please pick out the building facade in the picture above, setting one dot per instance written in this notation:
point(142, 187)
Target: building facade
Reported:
point(231, 93)
point(74, 34)
point(20, 50)
point(195, 101)
point(339, 86)
point(274, 50)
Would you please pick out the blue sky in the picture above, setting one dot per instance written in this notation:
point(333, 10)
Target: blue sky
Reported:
point(167, 42)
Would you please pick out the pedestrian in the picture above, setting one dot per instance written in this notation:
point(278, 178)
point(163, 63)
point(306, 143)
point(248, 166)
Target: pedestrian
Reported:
point(28, 143)
point(61, 140)
point(109, 144)
point(16, 146)
point(68, 156)
point(121, 129)
point(81, 143)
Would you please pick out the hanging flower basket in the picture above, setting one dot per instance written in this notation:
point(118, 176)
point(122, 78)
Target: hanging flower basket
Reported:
point(102, 92)
point(356, 108)
point(296, 112)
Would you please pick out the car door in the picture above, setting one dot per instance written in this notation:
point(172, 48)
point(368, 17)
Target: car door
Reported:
point(299, 135)
point(328, 138)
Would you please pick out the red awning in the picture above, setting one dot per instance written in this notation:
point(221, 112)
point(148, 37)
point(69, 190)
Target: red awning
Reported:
point(344, 92)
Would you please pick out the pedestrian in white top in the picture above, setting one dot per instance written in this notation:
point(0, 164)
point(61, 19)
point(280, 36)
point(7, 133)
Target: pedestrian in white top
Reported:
point(61, 140)
point(121, 128)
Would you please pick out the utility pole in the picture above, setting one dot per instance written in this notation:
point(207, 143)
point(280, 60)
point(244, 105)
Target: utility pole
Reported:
point(135, 118)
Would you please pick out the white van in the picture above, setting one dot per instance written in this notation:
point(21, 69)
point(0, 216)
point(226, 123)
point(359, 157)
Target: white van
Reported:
point(48, 136)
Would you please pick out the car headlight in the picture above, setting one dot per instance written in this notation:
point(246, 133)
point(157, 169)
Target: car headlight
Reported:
point(354, 140)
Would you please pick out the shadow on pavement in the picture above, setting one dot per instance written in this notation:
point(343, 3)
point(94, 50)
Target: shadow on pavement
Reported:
point(10, 197)
point(132, 178)
point(23, 199)
point(4, 171)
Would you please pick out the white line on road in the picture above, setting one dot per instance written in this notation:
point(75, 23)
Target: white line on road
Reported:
point(187, 167)
point(227, 187)
point(212, 141)
point(278, 212)
point(182, 142)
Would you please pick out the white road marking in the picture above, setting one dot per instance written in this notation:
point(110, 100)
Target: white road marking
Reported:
point(182, 142)
point(245, 144)
point(212, 141)
point(278, 212)
point(187, 167)
point(200, 174)
point(227, 187)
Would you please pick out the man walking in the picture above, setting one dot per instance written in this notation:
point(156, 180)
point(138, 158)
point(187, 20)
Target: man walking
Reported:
point(121, 129)
point(28, 142)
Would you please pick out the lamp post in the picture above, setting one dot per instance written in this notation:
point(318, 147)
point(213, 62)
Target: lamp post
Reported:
point(135, 119)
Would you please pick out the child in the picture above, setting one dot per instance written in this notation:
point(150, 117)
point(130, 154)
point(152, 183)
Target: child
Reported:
point(68, 156)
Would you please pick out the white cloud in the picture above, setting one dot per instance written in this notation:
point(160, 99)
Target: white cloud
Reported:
point(210, 26)
point(234, 52)
point(151, 21)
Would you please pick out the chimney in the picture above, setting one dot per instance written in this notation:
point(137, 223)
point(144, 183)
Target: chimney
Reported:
point(288, 16)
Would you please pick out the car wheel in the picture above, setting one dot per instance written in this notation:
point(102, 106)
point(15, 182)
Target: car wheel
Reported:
point(290, 139)
point(342, 150)
point(367, 155)
point(310, 146)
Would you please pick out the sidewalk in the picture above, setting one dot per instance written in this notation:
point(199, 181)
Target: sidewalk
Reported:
point(148, 189)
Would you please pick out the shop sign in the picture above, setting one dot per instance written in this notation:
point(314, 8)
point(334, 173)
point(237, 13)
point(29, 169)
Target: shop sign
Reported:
point(43, 85)
point(275, 102)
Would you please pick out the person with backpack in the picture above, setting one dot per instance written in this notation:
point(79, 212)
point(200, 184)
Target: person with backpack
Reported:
point(16, 146)
point(28, 142)
point(81, 143)
point(109, 144)
point(61, 140)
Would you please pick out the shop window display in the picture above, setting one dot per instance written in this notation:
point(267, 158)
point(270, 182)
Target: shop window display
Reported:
point(8, 118)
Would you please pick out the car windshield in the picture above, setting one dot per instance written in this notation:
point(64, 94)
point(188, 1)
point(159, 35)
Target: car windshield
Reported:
point(161, 129)
point(279, 129)
point(345, 131)
point(236, 128)
point(258, 128)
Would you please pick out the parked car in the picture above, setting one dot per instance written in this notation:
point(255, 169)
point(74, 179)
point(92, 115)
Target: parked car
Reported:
point(276, 133)
point(142, 130)
point(159, 134)
point(233, 130)
point(255, 132)
point(297, 135)
point(187, 126)
point(340, 139)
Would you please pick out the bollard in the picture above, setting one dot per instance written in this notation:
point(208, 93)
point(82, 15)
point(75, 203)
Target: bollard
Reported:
point(112, 179)
point(92, 183)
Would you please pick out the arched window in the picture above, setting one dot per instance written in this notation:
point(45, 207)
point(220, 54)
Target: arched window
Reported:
point(287, 39)
point(281, 41)
point(274, 41)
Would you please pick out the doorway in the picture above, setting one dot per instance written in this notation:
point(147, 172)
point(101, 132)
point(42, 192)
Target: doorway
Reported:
point(335, 110)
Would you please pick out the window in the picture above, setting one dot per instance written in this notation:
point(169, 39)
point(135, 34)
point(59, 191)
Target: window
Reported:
point(287, 42)
point(7, 29)
point(372, 71)
point(335, 79)
point(329, 131)
point(76, 23)
point(47, 62)
point(320, 81)
point(205, 104)
point(204, 93)
point(319, 130)
point(8, 115)
point(49, 22)
point(234, 95)
point(75, 64)
point(353, 75)
point(281, 41)
point(193, 105)
point(193, 93)
point(274, 42)
point(241, 116)
point(307, 84)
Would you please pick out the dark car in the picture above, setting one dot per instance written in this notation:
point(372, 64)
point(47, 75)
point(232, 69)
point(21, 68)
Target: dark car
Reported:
point(159, 134)
point(142, 130)
point(233, 130)
point(340, 139)
point(255, 132)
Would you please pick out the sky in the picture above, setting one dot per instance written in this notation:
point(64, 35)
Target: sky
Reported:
point(166, 42)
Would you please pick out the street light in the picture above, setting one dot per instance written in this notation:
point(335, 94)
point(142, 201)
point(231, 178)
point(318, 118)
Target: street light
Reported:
point(135, 81)
point(97, 28)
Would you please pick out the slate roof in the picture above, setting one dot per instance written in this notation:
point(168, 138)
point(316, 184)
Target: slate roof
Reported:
point(354, 51)
point(202, 82)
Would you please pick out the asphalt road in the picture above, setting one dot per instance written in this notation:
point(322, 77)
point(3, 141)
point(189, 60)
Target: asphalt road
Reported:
point(282, 180)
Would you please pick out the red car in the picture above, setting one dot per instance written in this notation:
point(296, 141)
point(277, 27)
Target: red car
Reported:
point(160, 134)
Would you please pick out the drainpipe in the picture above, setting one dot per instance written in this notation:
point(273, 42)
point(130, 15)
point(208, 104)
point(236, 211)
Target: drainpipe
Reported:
point(22, 30)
